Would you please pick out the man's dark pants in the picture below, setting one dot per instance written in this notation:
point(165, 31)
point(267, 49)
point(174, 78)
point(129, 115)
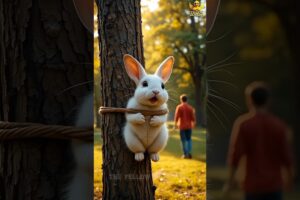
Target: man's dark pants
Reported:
point(186, 140)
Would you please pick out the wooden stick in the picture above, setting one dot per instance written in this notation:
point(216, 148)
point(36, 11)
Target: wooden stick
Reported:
point(104, 110)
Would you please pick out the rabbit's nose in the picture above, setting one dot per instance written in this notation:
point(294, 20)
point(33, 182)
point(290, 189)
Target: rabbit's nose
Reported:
point(155, 92)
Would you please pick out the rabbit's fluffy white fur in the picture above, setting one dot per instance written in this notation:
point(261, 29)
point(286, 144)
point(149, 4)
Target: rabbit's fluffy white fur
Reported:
point(143, 133)
point(81, 186)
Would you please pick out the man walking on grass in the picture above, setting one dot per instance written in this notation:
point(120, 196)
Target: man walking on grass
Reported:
point(263, 139)
point(185, 120)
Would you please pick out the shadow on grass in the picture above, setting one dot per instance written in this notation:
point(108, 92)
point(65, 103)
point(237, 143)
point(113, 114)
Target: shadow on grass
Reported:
point(174, 147)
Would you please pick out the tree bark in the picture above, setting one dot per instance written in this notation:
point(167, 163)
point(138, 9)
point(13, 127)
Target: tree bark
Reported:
point(200, 103)
point(199, 97)
point(120, 33)
point(44, 50)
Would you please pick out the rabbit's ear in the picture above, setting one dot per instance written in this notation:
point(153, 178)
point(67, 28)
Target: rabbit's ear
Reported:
point(165, 69)
point(133, 68)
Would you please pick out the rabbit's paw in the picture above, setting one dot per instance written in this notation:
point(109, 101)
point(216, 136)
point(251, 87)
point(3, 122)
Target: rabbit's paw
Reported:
point(139, 156)
point(138, 119)
point(154, 157)
point(156, 121)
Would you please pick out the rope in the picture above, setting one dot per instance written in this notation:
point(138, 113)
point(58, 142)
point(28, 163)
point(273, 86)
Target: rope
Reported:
point(14, 131)
point(104, 110)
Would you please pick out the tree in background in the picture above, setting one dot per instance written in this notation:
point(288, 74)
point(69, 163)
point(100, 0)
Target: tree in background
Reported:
point(169, 30)
point(97, 74)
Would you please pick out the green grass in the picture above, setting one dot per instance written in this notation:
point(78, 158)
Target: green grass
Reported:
point(97, 166)
point(175, 178)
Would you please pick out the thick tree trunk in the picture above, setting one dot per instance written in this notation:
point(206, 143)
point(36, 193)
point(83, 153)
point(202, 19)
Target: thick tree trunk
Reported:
point(201, 120)
point(197, 74)
point(44, 49)
point(199, 97)
point(199, 100)
point(97, 117)
point(120, 33)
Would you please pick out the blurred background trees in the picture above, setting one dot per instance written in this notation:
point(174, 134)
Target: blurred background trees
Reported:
point(252, 40)
point(169, 30)
point(97, 74)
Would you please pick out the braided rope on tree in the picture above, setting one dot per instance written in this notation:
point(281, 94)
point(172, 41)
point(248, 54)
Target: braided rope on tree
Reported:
point(16, 131)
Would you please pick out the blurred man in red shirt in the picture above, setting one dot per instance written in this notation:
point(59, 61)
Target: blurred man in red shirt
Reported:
point(263, 139)
point(185, 119)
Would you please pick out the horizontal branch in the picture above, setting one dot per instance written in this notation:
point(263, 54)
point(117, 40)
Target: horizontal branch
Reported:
point(104, 110)
point(184, 69)
point(189, 61)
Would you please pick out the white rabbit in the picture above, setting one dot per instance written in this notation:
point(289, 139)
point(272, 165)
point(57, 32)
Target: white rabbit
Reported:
point(81, 186)
point(143, 133)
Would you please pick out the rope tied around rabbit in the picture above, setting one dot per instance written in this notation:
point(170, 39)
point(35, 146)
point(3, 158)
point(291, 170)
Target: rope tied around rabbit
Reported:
point(104, 110)
point(16, 131)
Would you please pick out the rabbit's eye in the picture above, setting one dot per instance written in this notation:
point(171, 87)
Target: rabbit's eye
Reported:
point(162, 86)
point(145, 84)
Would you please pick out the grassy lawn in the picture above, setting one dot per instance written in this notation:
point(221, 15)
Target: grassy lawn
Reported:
point(97, 167)
point(175, 178)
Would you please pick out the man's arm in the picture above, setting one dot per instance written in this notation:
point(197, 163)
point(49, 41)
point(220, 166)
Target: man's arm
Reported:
point(236, 151)
point(177, 116)
point(288, 158)
point(231, 181)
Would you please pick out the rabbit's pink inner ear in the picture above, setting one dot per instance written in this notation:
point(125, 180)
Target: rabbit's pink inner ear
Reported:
point(166, 69)
point(132, 66)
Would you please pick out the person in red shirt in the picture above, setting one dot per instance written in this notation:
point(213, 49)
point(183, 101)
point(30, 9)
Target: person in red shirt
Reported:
point(262, 139)
point(185, 119)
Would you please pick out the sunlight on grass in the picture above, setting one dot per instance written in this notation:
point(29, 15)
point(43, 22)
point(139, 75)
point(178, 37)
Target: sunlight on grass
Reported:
point(175, 178)
point(97, 167)
point(179, 178)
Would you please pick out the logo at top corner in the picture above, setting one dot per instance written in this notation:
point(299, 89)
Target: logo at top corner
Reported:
point(195, 8)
